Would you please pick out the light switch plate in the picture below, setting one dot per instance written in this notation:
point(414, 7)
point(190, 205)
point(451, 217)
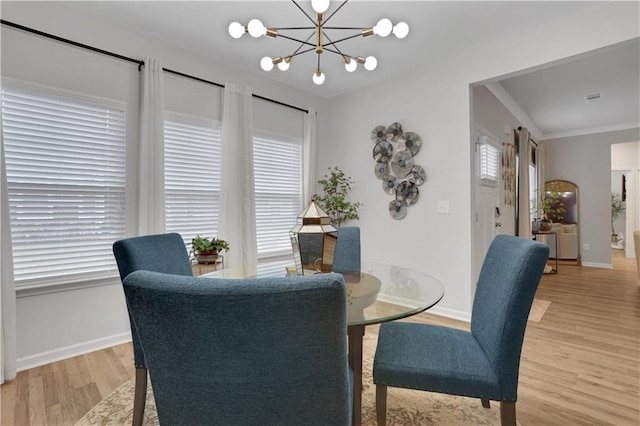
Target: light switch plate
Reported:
point(443, 207)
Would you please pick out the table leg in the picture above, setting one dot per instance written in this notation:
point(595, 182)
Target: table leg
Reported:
point(356, 334)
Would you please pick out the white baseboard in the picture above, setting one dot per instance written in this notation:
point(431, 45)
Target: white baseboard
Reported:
point(450, 313)
point(58, 354)
point(597, 265)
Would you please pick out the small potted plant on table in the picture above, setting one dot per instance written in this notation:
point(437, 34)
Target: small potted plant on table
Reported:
point(206, 250)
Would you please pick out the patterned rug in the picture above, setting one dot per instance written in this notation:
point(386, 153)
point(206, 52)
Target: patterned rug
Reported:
point(404, 407)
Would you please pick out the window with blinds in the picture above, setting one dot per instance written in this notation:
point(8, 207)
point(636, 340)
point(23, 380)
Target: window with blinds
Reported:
point(192, 162)
point(278, 193)
point(65, 163)
point(489, 159)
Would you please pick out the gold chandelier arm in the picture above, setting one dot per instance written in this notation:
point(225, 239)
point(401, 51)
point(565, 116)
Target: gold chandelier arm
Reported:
point(305, 42)
point(305, 13)
point(331, 43)
point(297, 51)
point(336, 11)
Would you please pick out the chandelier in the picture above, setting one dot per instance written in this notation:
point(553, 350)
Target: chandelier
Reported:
point(321, 41)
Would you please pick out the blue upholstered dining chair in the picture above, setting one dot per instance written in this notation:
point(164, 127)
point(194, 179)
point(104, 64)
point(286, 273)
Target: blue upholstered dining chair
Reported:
point(346, 258)
point(159, 253)
point(483, 363)
point(261, 351)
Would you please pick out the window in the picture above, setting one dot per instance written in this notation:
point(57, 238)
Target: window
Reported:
point(489, 157)
point(192, 162)
point(65, 162)
point(278, 192)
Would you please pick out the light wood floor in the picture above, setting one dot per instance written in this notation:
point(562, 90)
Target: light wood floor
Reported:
point(580, 363)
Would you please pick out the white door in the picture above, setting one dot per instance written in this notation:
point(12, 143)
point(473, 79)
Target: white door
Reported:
point(487, 202)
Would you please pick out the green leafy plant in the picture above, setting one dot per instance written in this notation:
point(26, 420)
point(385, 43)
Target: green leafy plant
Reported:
point(617, 208)
point(203, 244)
point(550, 205)
point(336, 186)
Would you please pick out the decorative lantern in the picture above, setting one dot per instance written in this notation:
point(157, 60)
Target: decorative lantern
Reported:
point(313, 240)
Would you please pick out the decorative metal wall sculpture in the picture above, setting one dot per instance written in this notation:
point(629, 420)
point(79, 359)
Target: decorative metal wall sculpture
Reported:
point(394, 153)
point(508, 164)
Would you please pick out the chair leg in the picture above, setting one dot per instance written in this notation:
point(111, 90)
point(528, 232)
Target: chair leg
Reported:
point(140, 396)
point(381, 404)
point(507, 413)
point(485, 403)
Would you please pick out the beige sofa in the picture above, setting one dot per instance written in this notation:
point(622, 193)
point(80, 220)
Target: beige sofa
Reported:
point(567, 241)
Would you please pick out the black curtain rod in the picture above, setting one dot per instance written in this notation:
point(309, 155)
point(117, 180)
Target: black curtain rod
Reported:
point(135, 61)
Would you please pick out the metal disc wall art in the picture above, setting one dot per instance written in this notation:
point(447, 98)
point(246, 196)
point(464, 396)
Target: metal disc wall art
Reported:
point(417, 175)
point(382, 152)
point(411, 142)
point(381, 170)
point(389, 184)
point(394, 153)
point(379, 133)
point(397, 210)
point(402, 164)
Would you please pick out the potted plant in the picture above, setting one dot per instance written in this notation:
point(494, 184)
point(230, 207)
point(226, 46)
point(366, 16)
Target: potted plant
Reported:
point(550, 206)
point(206, 250)
point(617, 208)
point(336, 187)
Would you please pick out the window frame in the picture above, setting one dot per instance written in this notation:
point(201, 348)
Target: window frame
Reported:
point(56, 283)
point(281, 258)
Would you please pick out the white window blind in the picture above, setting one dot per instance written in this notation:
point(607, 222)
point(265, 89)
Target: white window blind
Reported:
point(278, 191)
point(489, 162)
point(66, 178)
point(193, 150)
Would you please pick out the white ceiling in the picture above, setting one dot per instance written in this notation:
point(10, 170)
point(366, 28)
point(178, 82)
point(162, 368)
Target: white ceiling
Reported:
point(553, 98)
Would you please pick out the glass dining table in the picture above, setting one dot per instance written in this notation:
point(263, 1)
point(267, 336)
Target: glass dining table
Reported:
point(379, 293)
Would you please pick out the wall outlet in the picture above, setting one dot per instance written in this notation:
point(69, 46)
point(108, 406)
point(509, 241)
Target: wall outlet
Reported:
point(443, 207)
point(585, 246)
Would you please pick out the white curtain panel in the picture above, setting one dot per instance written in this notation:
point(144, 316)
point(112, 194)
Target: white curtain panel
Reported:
point(540, 165)
point(309, 146)
point(151, 163)
point(524, 217)
point(7, 285)
point(237, 196)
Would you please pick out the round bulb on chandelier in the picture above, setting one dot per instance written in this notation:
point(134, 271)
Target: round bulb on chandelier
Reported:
point(370, 63)
point(283, 66)
point(256, 29)
point(383, 28)
point(266, 63)
point(320, 6)
point(401, 29)
point(236, 29)
point(351, 65)
point(318, 77)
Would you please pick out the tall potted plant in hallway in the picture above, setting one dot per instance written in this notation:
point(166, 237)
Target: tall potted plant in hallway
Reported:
point(617, 208)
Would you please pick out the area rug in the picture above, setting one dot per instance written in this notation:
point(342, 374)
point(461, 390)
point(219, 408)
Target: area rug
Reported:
point(538, 309)
point(404, 407)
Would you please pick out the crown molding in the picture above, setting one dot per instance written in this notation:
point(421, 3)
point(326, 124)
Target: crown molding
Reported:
point(503, 96)
point(592, 130)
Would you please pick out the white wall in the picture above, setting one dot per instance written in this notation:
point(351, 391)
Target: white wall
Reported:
point(435, 103)
point(55, 325)
point(586, 161)
point(490, 114)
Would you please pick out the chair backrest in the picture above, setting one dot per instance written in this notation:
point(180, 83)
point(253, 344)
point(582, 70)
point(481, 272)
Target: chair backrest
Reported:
point(346, 258)
point(164, 253)
point(159, 253)
point(504, 294)
point(244, 352)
